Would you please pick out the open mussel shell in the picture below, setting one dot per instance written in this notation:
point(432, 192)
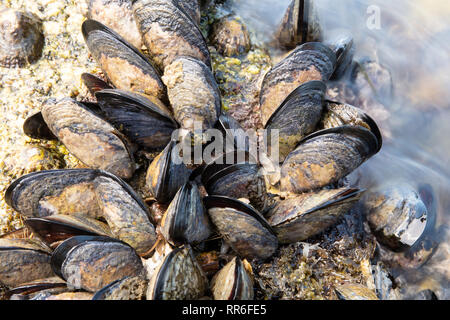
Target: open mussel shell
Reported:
point(235, 179)
point(36, 128)
point(325, 157)
point(92, 262)
point(308, 62)
point(145, 121)
point(128, 288)
point(22, 261)
point(193, 93)
point(166, 174)
point(297, 116)
point(51, 192)
point(297, 219)
point(185, 220)
point(338, 114)
point(125, 212)
point(232, 282)
point(90, 138)
point(242, 227)
point(124, 65)
point(94, 83)
point(28, 291)
point(397, 215)
point(56, 228)
point(300, 24)
point(179, 264)
point(117, 15)
point(21, 38)
point(169, 32)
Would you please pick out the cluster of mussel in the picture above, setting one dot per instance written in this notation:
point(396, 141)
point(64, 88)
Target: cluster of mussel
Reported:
point(96, 234)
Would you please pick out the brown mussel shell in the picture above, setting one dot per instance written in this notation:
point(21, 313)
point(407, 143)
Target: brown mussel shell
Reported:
point(28, 291)
point(53, 229)
point(124, 65)
point(21, 38)
point(92, 262)
point(22, 261)
point(165, 175)
point(232, 282)
point(193, 93)
point(128, 288)
point(117, 15)
point(338, 114)
point(185, 220)
point(308, 62)
point(87, 136)
point(178, 264)
point(94, 83)
point(230, 36)
point(242, 227)
point(36, 128)
point(325, 157)
point(236, 180)
point(169, 32)
point(297, 116)
point(297, 219)
point(300, 24)
point(146, 122)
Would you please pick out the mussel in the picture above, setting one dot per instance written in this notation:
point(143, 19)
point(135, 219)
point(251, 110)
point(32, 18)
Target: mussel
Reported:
point(86, 135)
point(124, 65)
point(300, 24)
point(299, 218)
point(169, 31)
point(230, 36)
point(94, 83)
point(297, 116)
point(232, 282)
point(21, 38)
point(325, 157)
point(193, 93)
point(185, 220)
point(92, 262)
point(144, 121)
point(117, 15)
point(166, 174)
point(242, 227)
point(128, 288)
point(191, 8)
point(308, 62)
point(178, 277)
point(22, 261)
point(38, 288)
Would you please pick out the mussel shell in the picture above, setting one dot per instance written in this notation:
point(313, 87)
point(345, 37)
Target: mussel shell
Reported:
point(27, 291)
point(55, 228)
point(128, 288)
point(308, 62)
point(300, 24)
point(179, 277)
point(75, 295)
point(36, 128)
point(297, 219)
point(232, 282)
point(338, 114)
point(325, 157)
point(185, 220)
point(125, 212)
point(44, 193)
point(297, 116)
point(193, 93)
point(169, 32)
point(124, 65)
point(341, 42)
point(117, 15)
point(145, 122)
point(191, 7)
point(242, 227)
point(21, 38)
point(91, 139)
point(23, 261)
point(237, 180)
point(94, 83)
point(234, 137)
point(397, 215)
point(92, 262)
point(165, 176)
point(230, 36)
